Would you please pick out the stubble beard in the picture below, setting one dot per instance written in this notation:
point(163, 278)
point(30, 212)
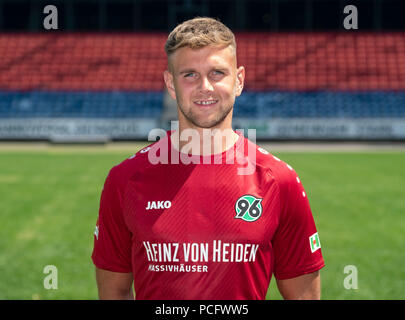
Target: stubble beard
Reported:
point(193, 118)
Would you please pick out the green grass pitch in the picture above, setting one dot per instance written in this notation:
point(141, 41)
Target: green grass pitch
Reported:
point(49, 206)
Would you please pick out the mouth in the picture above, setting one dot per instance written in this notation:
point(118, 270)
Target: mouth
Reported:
point(206, 103)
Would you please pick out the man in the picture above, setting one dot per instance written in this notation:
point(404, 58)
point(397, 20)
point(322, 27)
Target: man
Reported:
point(193, 225)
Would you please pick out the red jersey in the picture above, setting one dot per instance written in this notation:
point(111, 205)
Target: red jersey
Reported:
point(205, 231)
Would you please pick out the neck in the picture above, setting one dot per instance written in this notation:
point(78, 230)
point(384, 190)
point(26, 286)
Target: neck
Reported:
point(203, 141)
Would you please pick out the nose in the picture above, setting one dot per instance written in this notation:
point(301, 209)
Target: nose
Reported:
point(205, 85)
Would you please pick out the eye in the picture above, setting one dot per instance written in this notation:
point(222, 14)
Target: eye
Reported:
point(217, 72)
point(189, 75)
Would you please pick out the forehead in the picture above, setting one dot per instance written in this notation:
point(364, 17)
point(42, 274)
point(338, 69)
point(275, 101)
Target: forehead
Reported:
point(205, 57)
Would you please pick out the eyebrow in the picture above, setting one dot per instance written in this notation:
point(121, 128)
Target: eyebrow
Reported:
point(187, 71)
point(219, 68)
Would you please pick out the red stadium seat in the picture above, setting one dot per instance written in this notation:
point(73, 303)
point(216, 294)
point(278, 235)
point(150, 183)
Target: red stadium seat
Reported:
point(296, 61)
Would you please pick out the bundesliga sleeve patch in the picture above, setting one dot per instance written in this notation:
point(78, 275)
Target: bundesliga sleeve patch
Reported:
point(314, 242)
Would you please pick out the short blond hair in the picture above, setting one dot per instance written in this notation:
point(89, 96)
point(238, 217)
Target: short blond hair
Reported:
point(199, 32)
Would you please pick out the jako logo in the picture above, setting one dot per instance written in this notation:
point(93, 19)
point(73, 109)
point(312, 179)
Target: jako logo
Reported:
point(158, 205)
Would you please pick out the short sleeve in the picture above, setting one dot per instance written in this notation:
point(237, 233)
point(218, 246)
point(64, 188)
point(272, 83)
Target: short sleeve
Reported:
point(112, 239)
point(296, 242)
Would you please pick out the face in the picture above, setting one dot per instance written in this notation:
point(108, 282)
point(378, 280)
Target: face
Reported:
point(205, 83)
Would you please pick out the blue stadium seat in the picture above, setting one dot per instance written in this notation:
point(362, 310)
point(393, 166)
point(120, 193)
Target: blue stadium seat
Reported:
point(270, 104)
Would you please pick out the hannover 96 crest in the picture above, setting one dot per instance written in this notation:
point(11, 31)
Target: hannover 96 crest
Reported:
point(248, 208)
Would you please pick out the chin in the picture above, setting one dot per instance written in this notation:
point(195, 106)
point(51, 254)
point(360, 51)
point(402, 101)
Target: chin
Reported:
point(208, 124)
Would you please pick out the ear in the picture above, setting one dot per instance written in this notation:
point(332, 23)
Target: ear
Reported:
point(168, 77)
point(240, 80)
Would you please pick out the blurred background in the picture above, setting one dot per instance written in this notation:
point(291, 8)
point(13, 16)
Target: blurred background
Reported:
point(75, 101)
point(307, 76)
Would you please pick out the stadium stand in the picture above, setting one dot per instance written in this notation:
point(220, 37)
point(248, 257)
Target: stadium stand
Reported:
point(119, 104)
point(274, 61)
point(119, 75)
point(82, 104)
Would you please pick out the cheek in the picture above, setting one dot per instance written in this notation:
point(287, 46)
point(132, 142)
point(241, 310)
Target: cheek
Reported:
point(183, 94)
point(226, 90)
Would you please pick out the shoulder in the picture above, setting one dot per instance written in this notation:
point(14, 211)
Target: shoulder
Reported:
point(291, 191)
point(269, 164)
point(134, 164)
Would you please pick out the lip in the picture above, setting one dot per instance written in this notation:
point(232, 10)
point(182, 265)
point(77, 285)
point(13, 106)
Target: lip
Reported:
point(210, 104)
